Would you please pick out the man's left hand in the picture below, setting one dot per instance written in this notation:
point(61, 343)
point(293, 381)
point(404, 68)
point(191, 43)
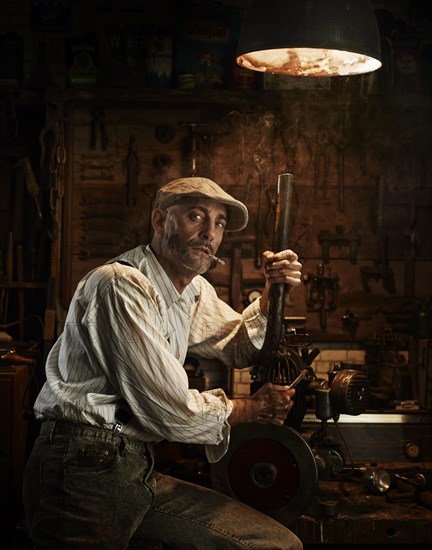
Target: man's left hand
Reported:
point(280, 267)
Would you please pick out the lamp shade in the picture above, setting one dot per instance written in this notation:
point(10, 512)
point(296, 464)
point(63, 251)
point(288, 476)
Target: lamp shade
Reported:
point(310, 37)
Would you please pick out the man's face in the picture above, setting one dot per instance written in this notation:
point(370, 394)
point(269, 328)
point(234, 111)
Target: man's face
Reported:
point(193, 230)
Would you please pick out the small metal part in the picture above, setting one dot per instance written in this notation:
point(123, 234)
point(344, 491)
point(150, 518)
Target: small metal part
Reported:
point(117, 428)
point(412, 450)
point(349, 392)
point(377, 480)
point(299, 378)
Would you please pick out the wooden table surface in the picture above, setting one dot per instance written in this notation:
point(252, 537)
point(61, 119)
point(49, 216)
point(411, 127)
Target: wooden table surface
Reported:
point(348, 513)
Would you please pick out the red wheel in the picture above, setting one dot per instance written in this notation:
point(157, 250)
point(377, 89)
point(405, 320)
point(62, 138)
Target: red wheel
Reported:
point(270, 468)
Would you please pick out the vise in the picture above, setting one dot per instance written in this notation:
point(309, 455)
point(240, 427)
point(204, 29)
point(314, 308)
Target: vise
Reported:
point(339, 239)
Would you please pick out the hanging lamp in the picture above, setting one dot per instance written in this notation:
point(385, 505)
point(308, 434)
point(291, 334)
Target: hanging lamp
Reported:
point(310, 37)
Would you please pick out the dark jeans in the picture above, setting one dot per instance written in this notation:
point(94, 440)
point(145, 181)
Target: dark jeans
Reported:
point(85, 488)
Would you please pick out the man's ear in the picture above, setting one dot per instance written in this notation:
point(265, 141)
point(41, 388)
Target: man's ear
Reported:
point(158, 220)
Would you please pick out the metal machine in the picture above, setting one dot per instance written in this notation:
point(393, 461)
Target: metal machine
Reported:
point(277, 469)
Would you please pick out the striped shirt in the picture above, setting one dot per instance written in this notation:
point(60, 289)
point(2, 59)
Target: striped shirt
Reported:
point(124, 343)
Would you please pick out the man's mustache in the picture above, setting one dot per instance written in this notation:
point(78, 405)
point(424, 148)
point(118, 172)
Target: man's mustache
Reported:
point(205, 244)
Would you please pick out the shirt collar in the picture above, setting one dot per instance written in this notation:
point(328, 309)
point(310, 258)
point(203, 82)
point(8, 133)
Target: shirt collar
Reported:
point(143, 259)
point(164, 284)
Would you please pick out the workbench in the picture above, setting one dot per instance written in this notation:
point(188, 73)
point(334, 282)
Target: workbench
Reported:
point(347, 513)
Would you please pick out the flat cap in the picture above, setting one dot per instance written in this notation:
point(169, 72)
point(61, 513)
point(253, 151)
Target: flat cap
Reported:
point(203, 188)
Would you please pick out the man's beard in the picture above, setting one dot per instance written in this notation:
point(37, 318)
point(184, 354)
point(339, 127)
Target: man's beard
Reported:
point(198, 263)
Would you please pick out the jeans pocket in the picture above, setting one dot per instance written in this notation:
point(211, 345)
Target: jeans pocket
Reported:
point(94, 454)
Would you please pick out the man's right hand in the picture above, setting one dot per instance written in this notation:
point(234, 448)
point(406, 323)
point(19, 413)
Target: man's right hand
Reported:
point(269, 405)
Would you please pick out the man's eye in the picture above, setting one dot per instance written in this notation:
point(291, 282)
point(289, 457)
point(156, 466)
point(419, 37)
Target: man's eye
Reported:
point(221, 224)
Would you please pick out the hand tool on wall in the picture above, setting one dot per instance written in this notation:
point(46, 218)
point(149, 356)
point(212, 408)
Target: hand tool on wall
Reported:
point(53, 156)
point(258, 161)
point(341, 141)
point(199, 148)
point(31, 183)
point(341, 170)
point(98, 130)
point(132, 169)
point(350, 322)
point(191, 149)
point(321, 160)
point(51, 137)
point(412, 248)
point(234, 246)
point(380, 270)
point(339, 239)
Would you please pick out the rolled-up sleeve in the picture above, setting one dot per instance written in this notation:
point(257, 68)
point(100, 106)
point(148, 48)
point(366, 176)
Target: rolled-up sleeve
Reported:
point(217, 331)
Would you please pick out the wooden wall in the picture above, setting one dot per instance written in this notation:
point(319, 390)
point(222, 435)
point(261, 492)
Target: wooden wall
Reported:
point(362, 190)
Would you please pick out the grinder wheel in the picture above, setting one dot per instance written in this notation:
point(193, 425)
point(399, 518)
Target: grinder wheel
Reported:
point(270, 468)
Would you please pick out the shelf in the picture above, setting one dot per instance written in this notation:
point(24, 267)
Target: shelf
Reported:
point(23, 285)
point(107, 95)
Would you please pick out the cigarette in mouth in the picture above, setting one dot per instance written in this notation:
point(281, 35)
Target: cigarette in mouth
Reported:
point(216, 259)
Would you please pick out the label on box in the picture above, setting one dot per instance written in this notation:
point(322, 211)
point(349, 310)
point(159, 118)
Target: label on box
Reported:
point(81, 60)
point(159, 61)
point(206, 40)
point(407, 67)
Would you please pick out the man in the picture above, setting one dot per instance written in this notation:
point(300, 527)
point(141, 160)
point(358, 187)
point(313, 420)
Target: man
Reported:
point(116, 384)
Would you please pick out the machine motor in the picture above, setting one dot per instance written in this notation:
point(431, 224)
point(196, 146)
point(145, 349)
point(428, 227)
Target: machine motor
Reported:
point(277, 469)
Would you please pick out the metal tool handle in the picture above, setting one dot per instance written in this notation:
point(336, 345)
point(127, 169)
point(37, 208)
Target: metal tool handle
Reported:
point(277, 291)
